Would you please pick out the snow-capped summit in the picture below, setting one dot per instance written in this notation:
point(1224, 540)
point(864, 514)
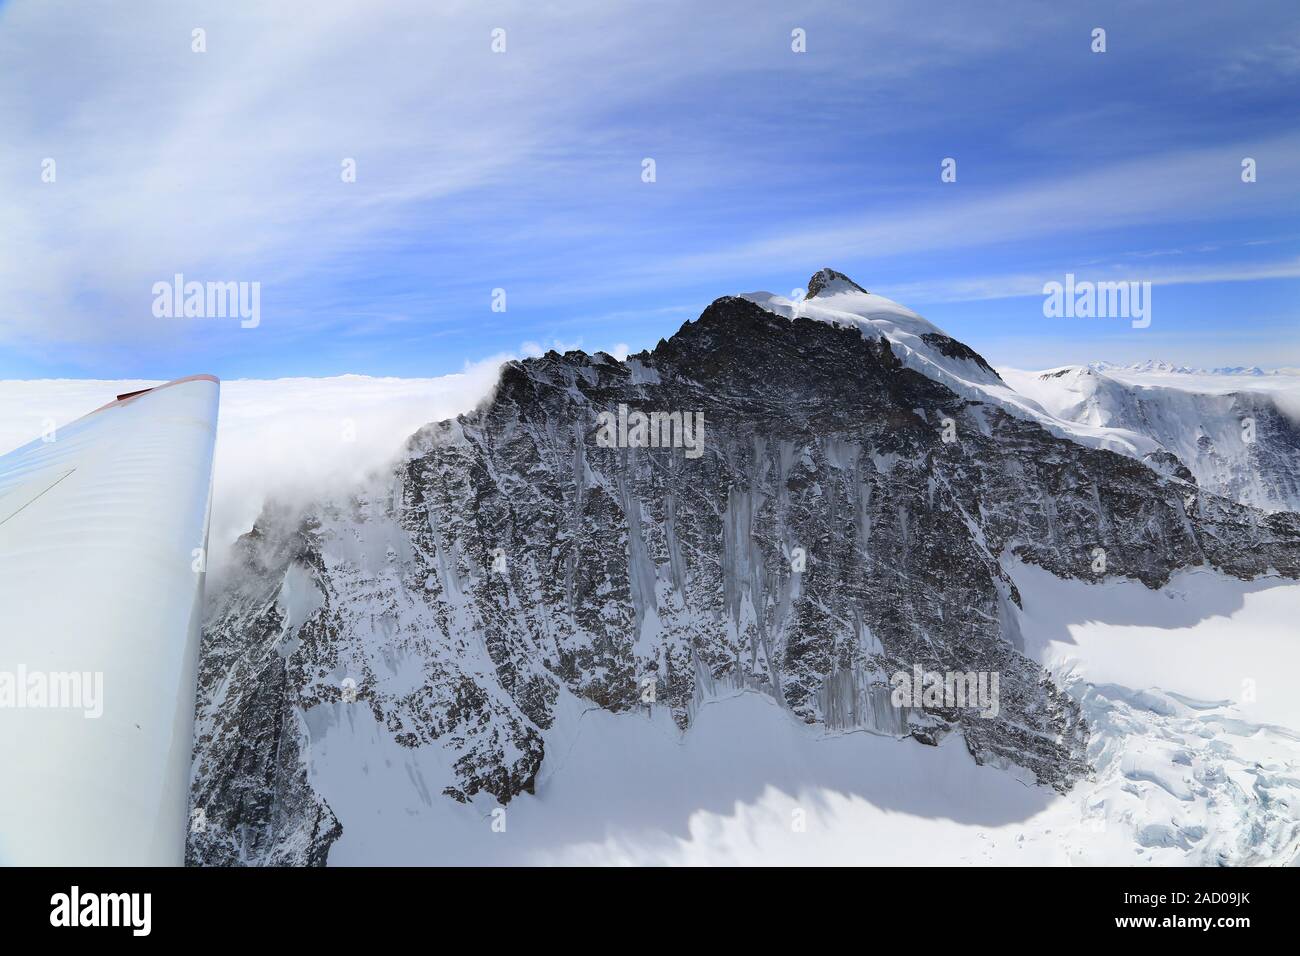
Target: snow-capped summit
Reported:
point(923, 347)
point(829, 282)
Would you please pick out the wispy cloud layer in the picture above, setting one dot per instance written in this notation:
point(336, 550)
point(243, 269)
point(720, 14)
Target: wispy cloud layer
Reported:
point(522, 170)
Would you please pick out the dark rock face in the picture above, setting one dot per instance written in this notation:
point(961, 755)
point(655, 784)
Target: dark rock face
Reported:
point(848, 519)
point(259, 807)
point(825, 277)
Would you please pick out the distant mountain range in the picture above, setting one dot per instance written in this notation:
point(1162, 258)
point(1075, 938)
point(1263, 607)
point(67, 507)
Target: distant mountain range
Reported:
point(1152, 365)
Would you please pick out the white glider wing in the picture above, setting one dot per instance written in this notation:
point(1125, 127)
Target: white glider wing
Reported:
point(103, 536)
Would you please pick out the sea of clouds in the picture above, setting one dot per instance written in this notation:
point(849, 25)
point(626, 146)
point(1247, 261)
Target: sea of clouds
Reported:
point(289, 439)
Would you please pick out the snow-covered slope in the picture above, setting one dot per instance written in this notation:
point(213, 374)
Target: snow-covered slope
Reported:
point(103, 523)
point(1238, 433)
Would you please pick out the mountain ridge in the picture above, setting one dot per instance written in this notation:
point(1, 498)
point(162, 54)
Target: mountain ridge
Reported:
point(830, 536)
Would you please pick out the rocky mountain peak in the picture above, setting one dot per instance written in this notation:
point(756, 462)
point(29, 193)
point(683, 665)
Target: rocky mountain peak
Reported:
point(829, 281)
point(758, 505)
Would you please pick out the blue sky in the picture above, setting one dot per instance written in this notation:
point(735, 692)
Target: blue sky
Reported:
point(522, 171)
